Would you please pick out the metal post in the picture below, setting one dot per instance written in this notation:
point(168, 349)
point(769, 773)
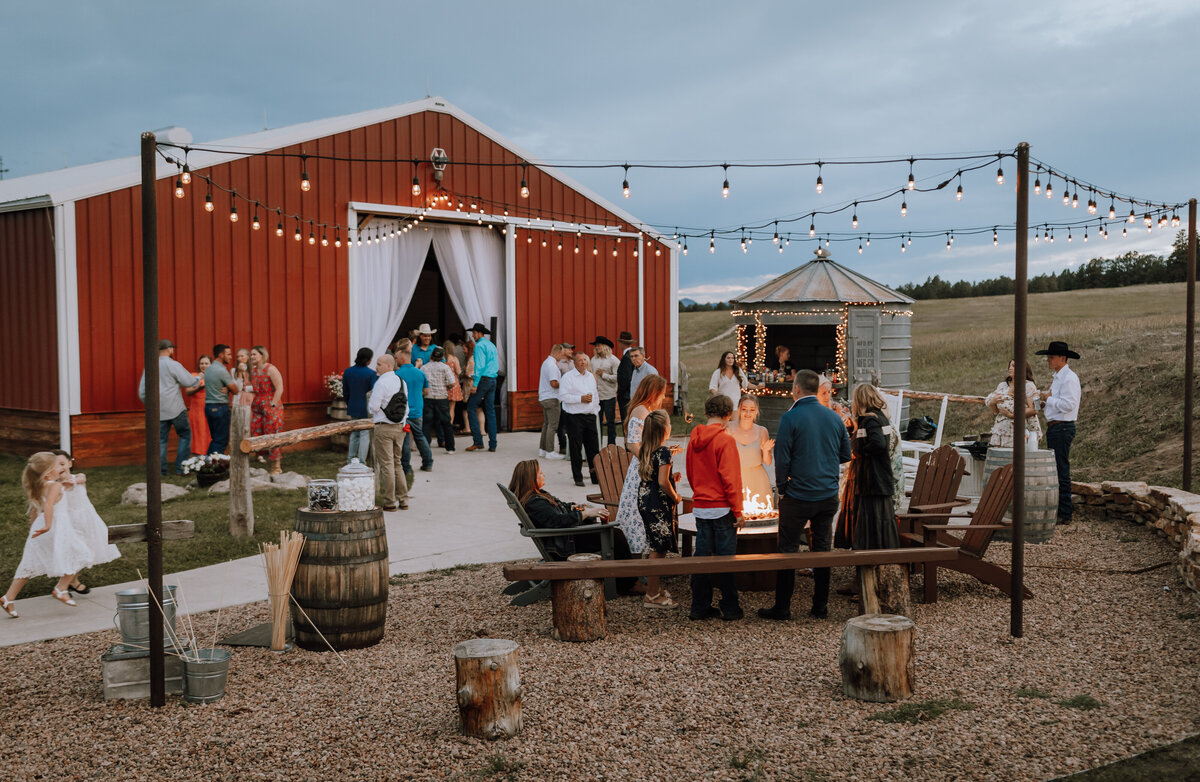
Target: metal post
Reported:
point(1020, 349)
point(1189, 362)
point(153, 479)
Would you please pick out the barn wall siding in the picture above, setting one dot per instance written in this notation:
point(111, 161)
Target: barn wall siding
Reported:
point(224, 282)
point(28, 310)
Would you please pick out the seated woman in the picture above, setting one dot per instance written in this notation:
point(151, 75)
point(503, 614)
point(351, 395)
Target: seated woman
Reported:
point(549, 512)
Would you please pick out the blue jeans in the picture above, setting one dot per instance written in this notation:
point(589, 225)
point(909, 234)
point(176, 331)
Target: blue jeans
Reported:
point(180, 422)
point(715, 537)
point(416, 432)
point(485, 394)
point(1059, 438)
point(437, 421)
point(360, 441)
point(218, 426)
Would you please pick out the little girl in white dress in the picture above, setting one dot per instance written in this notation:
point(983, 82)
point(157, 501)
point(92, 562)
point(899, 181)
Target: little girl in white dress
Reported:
point(65, 535)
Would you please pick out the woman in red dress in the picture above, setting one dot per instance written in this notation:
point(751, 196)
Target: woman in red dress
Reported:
point(201, 437)
point(267, 409)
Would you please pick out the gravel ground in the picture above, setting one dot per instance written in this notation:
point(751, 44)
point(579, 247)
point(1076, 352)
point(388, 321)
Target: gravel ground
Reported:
point(661, 697)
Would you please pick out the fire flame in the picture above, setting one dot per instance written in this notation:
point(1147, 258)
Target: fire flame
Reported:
point(754, 507)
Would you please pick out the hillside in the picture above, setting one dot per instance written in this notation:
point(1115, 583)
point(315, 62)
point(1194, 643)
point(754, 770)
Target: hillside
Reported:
point(1131, 340)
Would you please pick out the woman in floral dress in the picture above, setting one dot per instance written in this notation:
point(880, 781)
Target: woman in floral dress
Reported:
point(267, 409)
point(657, 500)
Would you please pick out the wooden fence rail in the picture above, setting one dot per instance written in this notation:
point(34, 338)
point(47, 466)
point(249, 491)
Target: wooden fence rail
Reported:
point(267, 441)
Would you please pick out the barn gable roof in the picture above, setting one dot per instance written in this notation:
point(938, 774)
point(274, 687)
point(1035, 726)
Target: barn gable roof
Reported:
point(822, 280)
point(77, 182)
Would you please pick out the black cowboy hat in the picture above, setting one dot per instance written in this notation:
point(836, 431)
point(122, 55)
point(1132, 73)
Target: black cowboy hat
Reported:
point(482, 329)
point(1058, 349)
point(625, 337)
point(602, 341)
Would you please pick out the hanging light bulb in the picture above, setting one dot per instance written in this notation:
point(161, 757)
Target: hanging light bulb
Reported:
point(544, 240)
point(775, 238)
point(324, 238)
point(820, 184)
point(416, 185)
point(657, 251)
point(529, 238)
point(1051, 238)
point(179, 188)
point(999, 176)
point(577, 248)
point(947, 241)
point(904, 208)
point(854, 218)
point(625, 184)
point(1112, 211)
point(788, 240)
point(910, 240)
point(860, 246)
point(1075, 200)
point(337, 237)
point(685, 246)
point(743, 243)
point(1174, 220)
point(812, 226)
point(1085, 235)
point(233, 215)
point(186, 176)
point(305, 185)
point(995, 237)
point(208, 202)
point(1091, 206)
point(614, 251)
point(1049, 187)
point(1070, 238)
point(1037, 186)
point(254, 223)
point(524, 184)
point(826, 240)
point(712, 244)
point(725, 184)
point(1124, 233)
point(1132, 216)
point(1147, 219)
point(912, 183)
point(1067, 195)
point(903, 246)
point(595, 249)
point(559, 245)
point(1162, 220)
point(958, 193)
point(781, 249)
point(279, 229)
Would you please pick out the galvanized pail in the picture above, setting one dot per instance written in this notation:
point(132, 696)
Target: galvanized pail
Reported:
point(204, 674)
point(133, 616)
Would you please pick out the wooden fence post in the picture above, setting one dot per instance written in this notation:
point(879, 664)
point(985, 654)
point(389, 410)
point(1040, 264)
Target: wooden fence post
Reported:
point(241, 502)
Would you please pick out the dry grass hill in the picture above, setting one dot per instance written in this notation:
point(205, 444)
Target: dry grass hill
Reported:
point(1131, 340)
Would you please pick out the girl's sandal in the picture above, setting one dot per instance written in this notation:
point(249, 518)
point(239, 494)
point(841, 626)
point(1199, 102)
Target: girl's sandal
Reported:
point(63, 597)
point(661, 600)
point(79, 589)
point(9, 607)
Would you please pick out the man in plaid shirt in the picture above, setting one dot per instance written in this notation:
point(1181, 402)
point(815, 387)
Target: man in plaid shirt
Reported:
point(437, 404)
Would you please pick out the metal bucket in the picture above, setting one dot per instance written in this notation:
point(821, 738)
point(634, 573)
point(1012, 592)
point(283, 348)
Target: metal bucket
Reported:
point(204, 674)
point(133, 616)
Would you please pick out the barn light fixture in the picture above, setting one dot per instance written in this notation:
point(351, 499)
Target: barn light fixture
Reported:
point(725, 184)
point(820, 184)
point(439, 159)
point(625, 184)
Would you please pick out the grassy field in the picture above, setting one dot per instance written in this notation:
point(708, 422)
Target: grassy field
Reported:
point(273, 511)
point(1131, 340)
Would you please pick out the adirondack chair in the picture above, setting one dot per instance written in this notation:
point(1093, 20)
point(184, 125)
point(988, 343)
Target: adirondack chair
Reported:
point(611, 465)
point(939, 474)
point(527, 593)
point(975, 538)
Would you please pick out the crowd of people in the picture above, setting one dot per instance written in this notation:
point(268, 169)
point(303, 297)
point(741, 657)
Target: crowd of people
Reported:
point(198, 404)
point(838, 470)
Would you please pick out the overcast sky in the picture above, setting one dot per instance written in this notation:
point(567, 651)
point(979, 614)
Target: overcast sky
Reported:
point(1098, 88)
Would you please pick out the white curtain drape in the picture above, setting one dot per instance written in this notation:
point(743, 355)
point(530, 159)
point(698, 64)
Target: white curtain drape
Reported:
point(386, 276)
point(472, 264)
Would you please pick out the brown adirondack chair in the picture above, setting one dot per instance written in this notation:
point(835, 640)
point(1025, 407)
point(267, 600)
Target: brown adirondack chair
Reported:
point(935, 487)
point(975, 539)
point(611, 465)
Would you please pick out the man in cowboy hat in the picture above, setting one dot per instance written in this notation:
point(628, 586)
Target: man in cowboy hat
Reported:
point(604, 367)
point(422, 349)
point(1061, 409)
point(624, 374)
point(487, 365)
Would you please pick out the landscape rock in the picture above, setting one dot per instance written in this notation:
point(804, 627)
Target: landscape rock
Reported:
point(289, 480)
point(136, 493)
point(259, 479)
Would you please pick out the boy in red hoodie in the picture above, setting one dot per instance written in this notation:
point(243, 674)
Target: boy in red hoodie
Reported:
point(715, 474)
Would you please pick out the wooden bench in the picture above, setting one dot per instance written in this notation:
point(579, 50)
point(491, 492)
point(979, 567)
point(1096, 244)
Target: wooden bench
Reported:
point(737, 563)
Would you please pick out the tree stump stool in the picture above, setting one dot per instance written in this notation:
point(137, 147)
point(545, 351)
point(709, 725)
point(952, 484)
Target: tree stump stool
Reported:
point(876, 658)
point(488, 684)
point(883, 589)
point(578, 606)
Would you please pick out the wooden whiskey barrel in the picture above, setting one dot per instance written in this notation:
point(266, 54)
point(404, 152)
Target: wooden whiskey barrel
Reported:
point(1041, 492)
point(341, 581)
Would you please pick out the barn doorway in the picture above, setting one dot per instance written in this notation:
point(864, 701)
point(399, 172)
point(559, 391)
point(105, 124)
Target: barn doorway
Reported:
point(431, 304)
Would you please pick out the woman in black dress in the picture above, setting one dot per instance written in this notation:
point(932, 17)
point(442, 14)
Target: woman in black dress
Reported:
point(868, 517)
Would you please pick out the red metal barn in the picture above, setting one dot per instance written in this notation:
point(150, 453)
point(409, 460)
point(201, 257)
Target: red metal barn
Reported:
point(70, 250)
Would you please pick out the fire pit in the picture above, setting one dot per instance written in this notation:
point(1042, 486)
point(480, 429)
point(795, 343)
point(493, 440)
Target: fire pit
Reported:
point(757, 513)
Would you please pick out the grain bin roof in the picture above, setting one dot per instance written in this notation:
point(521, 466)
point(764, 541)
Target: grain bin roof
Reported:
point(822, 280)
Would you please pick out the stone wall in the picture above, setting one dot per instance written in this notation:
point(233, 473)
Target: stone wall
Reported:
point(1173, 512)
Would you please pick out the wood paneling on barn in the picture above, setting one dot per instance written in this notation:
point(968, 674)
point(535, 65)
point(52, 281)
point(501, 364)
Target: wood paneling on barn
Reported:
point(99, 439)
point(224, 282)
point(25, 432)
point(28, 320)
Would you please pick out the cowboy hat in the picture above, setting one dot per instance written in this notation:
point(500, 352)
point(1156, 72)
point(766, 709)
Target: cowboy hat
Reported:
point(424, 329)
point(163, 344)
point(601, 341)
point(1058, 349)
point(625, 337)
point(482, 329)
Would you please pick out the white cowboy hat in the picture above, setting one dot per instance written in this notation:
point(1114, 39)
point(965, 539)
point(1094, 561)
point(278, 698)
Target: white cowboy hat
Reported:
point(424, 329)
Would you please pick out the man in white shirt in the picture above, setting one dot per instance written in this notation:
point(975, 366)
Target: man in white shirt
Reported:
point(548, 398)
point(566, 363)
point(642, 369)
point(387, 439)
point(1062, 410)
point(580, 404)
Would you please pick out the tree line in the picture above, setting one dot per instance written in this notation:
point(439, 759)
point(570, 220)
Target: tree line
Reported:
point(1132, 268)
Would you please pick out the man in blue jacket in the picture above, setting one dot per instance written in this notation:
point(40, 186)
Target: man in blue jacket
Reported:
point(357, 382)
point(809, 449)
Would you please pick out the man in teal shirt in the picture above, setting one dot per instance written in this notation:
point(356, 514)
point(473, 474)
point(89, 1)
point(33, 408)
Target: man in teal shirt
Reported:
point(416, 386)
point(486, 368)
